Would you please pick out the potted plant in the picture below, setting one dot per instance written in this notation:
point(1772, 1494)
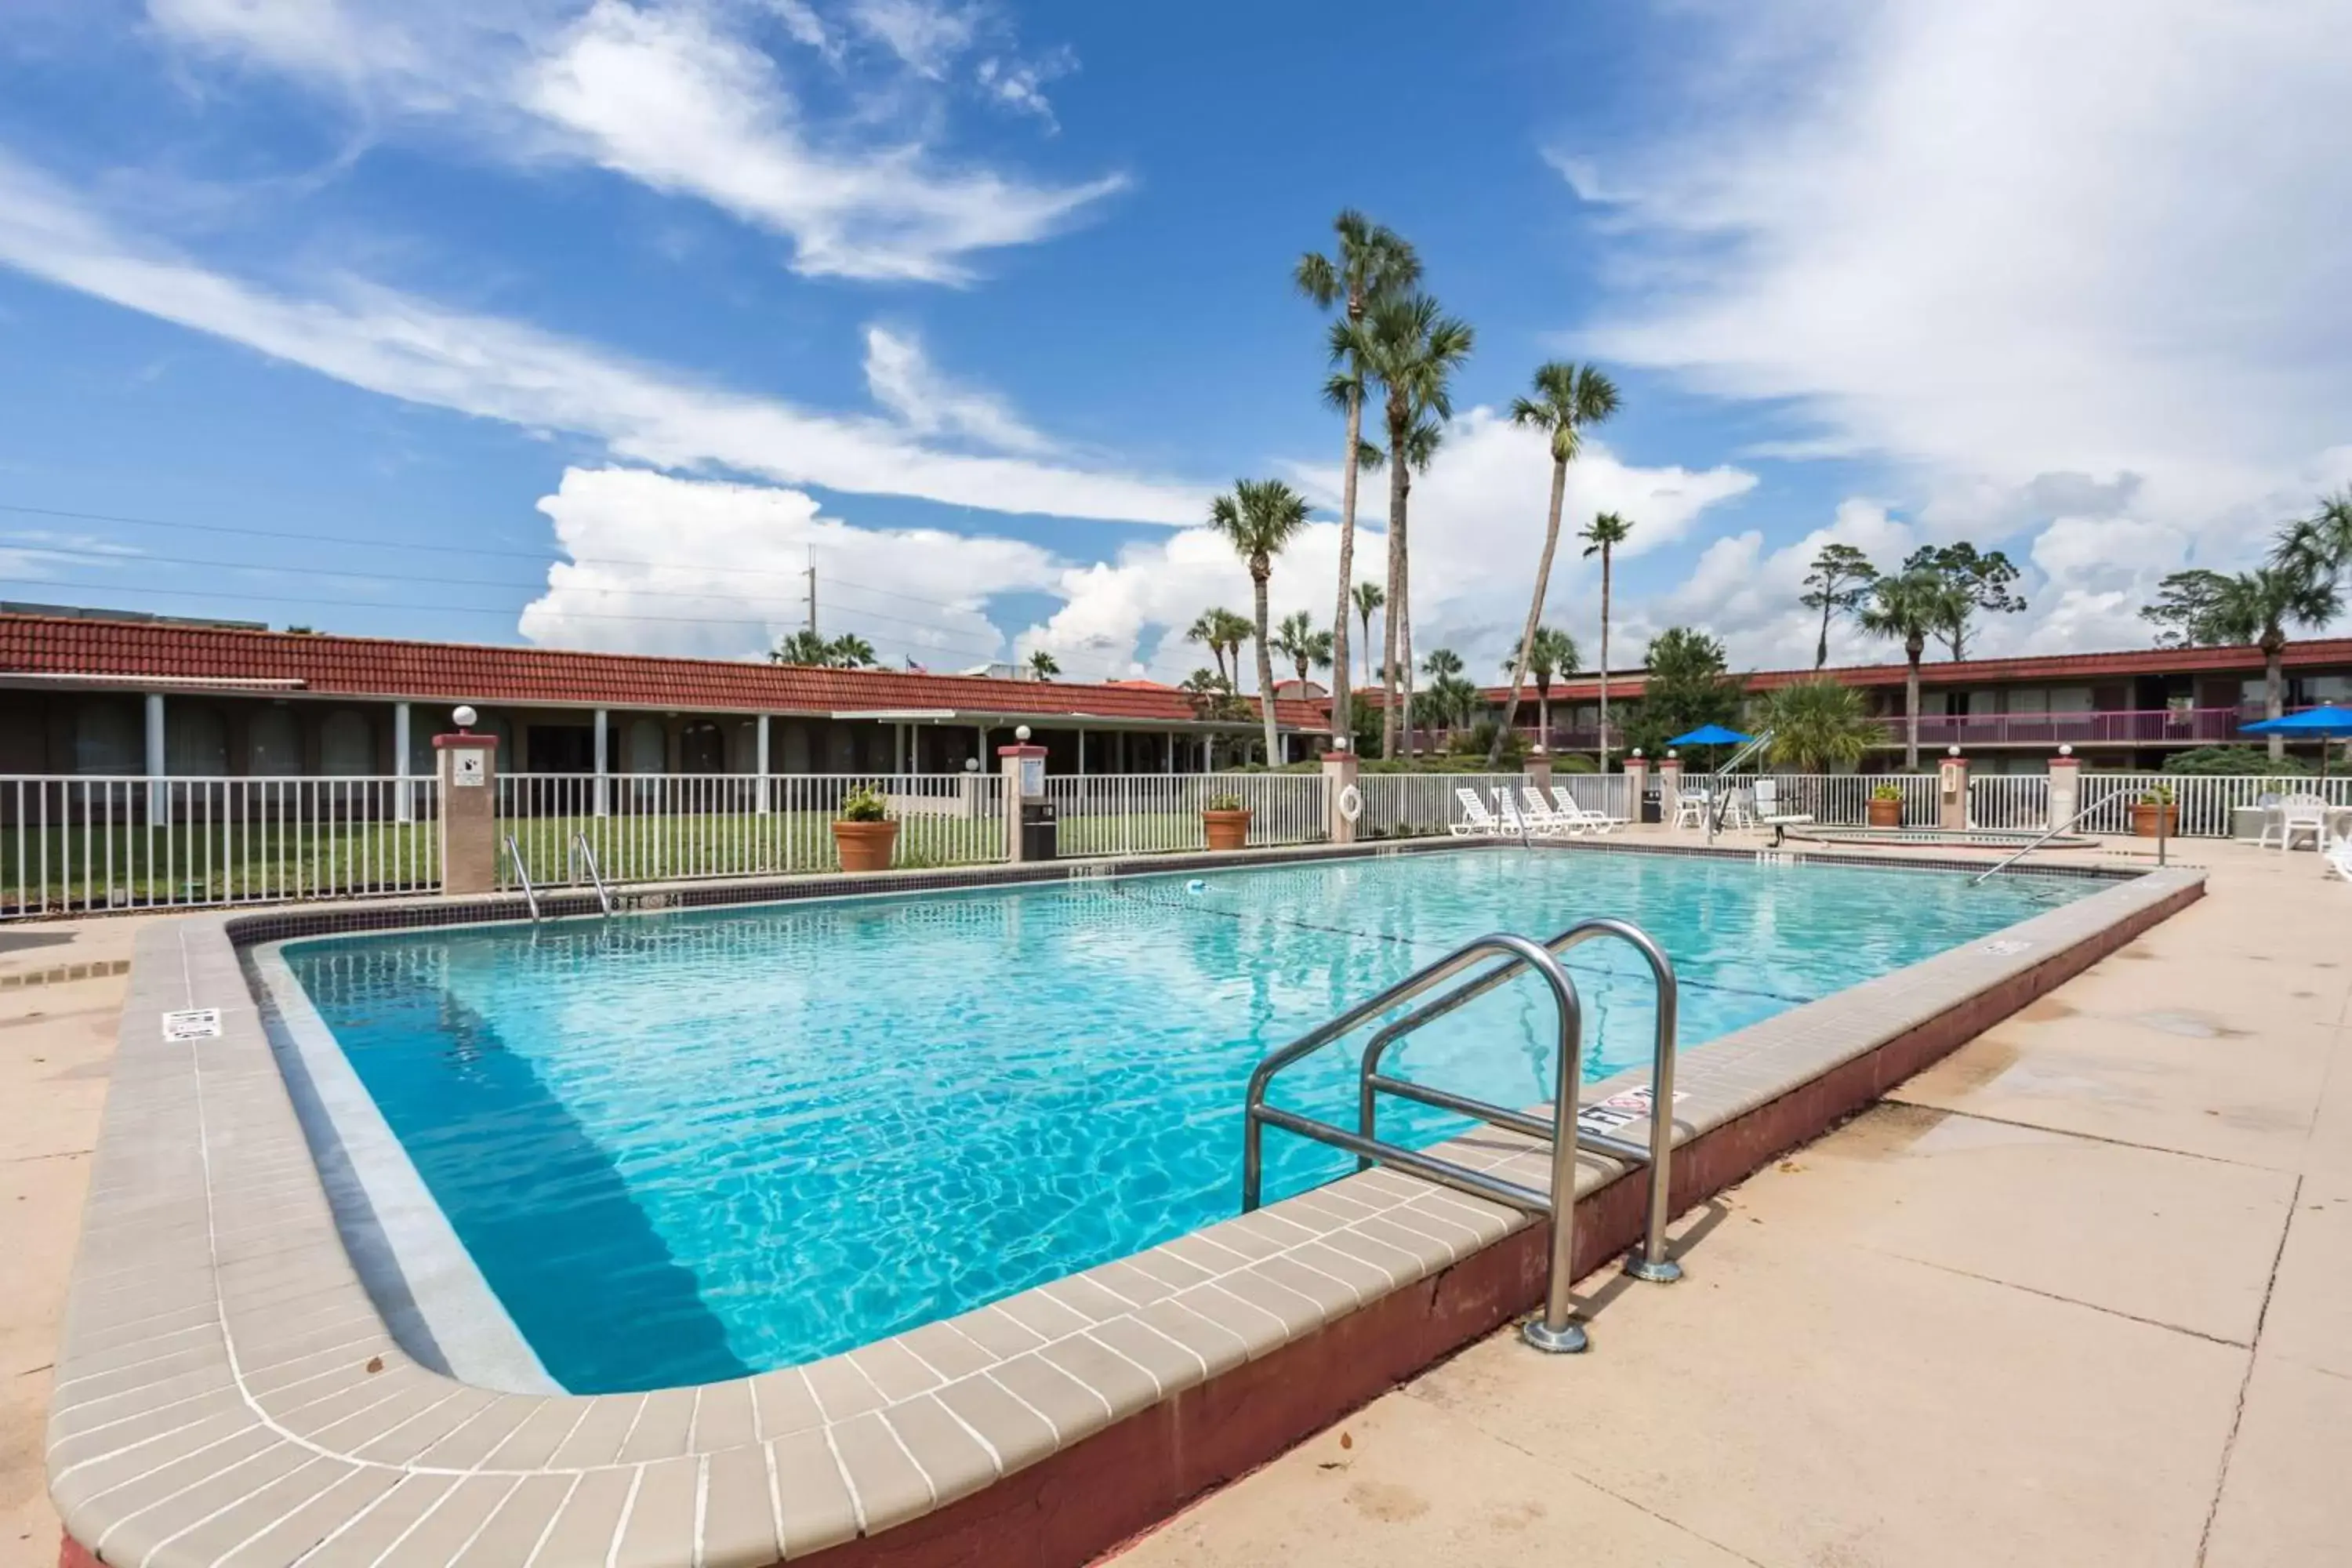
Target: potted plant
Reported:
point(1226, 821)
point(2155, 815)
point(1886, 805)
point(863, 834)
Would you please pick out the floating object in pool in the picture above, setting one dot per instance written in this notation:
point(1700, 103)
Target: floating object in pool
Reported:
point(1196, 885)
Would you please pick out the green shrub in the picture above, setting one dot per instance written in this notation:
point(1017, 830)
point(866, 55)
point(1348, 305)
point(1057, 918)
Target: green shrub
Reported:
point(1225, 802)
point(864, 805)
point(2239, 762)
point(1886, 792)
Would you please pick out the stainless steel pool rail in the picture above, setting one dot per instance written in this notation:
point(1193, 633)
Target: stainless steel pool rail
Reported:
point(2051, 834)
point(582, 853)
point(1556, 1331)
point(523, 875)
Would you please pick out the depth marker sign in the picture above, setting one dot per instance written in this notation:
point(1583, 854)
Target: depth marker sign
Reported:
point(193, 1023)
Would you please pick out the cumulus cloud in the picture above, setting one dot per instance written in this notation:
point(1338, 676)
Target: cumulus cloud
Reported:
point(409, 348)
point(673, 95)
point(2068, 266)
point(656, 564)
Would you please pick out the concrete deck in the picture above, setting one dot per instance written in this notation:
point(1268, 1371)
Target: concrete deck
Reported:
point(61, 990)
point(2080, 1294)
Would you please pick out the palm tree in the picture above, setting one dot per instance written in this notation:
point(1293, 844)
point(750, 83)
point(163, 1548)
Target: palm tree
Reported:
point(1602, 538)
point(1421, 445)
point(1232, 630)
point(803, 646)
point(2319, 546)
point(1299, 640)
point(1367, 599)
point(1820, 726)
point(2258, 606)
point(1373, 262)
point(1219, 630)
point(1044, 665)
point(1550, 652)
point(1408, 344)
point(1910, 607)
point(1569, 397)
point(1258, 519)
point(849, 651)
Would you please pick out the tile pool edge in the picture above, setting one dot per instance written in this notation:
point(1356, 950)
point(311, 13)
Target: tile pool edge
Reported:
point(226, 1383)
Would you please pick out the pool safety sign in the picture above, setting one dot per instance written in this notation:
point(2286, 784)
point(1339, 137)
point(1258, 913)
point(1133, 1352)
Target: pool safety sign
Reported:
point(192, 1023)
point(1618, 1110)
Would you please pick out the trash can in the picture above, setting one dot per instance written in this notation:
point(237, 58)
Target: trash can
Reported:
point(1652, 807)
point(1040, 831)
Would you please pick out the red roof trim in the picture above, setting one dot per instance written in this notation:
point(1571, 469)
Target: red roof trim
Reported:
point(331, 665)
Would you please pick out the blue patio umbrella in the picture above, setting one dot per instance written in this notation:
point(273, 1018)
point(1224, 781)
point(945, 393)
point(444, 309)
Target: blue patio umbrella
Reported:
point(1717, 735)
point(2320, 724)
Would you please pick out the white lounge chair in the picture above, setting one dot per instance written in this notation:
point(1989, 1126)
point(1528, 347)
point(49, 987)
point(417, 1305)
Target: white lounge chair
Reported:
point(2339, 859)
point(1476, 822)
point(1540, 818)
point(1770, 815)
point(1584, 819)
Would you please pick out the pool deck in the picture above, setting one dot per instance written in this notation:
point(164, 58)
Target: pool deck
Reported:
point(2081, 1293)
point(1932, 1329)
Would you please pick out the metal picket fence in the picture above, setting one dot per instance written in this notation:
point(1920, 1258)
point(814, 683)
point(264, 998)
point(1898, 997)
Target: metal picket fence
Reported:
point(647, 828)
point(86, 844)
point(1415, 805)
point(1149, 813)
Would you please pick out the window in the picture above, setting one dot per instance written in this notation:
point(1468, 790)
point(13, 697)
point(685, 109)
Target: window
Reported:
point(346, 744)
point(702, 749)
point(273, 744)
point(648, 747)
point(109, 738)
point(196, 741)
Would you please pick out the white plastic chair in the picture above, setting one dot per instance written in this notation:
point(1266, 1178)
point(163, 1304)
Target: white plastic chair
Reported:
point(1770, 815)
point(1476, 822)
point(2339, 859)
point(1591, 821)
point(2302, 813)
point(2273, 820)
point(1690, 809)
point(1739, 808)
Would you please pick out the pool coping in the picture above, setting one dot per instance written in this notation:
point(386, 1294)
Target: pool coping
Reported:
point(227, 1391)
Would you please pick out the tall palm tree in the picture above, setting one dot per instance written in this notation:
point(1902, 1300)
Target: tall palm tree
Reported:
point(1909, 606)
point(1601, 537)
point(1550, 652)
point(849, 651)
point(2319, 546)
point(1217, 630)
point(2258, 606)
point(803, 646)
point(1367, 599)
point(1372, 261)
point(1300, 641)
point(1421, 445)
point(1233, 631)
point(1568, 398)
point(1409, 345)
point(1258, 519)
point(1044, 665)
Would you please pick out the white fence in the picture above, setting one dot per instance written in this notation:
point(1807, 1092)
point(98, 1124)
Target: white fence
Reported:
point(1147, 814)
point(1835, 800)
point(1412, 805)
point(2021, 801)
point(71, 846)
point(647, 828)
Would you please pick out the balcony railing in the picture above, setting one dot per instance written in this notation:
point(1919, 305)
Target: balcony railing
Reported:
point(2125, 727)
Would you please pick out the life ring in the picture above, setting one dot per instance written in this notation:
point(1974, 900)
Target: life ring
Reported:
point(1352, 803)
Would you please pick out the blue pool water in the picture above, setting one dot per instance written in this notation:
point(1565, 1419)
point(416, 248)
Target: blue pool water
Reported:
point(686, 1146)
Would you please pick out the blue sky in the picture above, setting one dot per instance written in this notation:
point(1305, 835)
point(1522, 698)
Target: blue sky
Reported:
point(466, 312)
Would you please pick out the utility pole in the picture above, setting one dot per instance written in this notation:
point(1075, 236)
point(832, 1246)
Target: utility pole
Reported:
point(810, 574)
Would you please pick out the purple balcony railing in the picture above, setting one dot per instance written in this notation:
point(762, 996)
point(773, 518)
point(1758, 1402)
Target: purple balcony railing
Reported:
point(2127, 727)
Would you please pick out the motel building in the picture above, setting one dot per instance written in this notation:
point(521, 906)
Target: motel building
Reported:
point(2124, 711)
point(99, 693)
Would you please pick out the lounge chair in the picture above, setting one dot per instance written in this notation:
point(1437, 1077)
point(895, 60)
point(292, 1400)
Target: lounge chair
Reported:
point(1581, 818)
point(1770, 815)
point(1540, 818)
point(1476, 822)
point(2339, 859)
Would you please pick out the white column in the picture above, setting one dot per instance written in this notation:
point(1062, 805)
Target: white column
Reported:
point(1082, 751)
point(1167, 753)
point(158, 796)
point(404, 809)
point(898, 748)
point(760, 761)
point(604, 769)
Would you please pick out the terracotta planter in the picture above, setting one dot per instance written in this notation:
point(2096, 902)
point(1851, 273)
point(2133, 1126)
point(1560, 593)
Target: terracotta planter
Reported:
point(864, 846)
point(1226, 829)
point(1886, 813)
point(2144, 820)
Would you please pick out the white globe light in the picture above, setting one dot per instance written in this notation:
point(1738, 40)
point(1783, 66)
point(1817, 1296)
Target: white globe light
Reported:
point(1951, 750)
point(464, 716)
point(972, 765)
point(2066, 751)
point(1022, 734)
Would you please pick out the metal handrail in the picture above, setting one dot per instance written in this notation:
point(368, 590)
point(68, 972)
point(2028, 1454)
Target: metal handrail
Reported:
point(1558, 1329)
point(582, 852)
point(522, 875)
point(2052, 833)
point(1649, 1261)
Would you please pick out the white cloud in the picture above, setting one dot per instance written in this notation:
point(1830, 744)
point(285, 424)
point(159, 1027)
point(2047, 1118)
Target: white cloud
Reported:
point(729, 585)
point(928, 402)
point(663, 97)
point(669, 94)
point(928, 36)
point(409, 348)
point(2070, 266)
point(1746, 594)
point(1020, 85)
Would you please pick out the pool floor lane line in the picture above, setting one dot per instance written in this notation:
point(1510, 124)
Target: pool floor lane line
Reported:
point(431, 1291)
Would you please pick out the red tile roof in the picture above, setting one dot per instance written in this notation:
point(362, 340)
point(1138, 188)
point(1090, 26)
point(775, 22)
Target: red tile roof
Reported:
point(2239, 660)
point(467, 672)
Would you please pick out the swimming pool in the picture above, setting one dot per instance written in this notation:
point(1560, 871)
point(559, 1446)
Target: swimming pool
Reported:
point(684, 1147)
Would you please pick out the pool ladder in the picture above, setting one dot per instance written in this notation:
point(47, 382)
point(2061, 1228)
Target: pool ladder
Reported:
point(581, 853)
point(523, 875)
point(1557, 1330)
